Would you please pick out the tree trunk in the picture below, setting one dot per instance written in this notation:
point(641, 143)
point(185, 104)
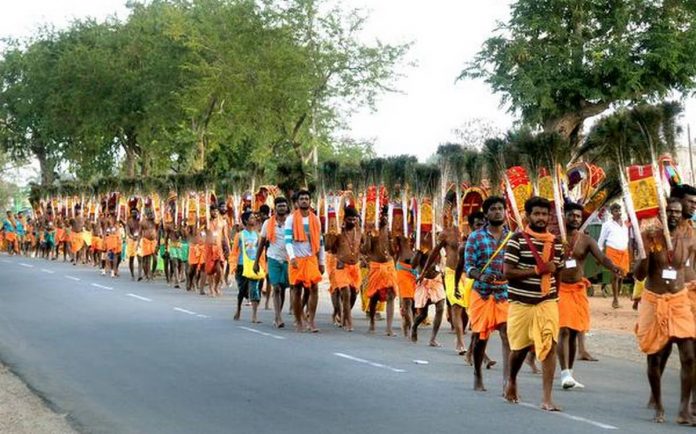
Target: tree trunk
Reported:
point(130, 162)
point(569, 125)
point(202, 129)
point(199, 161)
point(145, 165)
point(130, 146)
point(46, 165)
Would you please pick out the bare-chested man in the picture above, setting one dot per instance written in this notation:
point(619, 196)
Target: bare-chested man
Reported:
point(664, 315)
point(77, 241)
point(216, 250)
point(112, 243)
point(450, 240)
point(133, 236)
point(573, 305)
point(406, 275)
point(381, 285)
point(98, 245)
point(687, 195)
point(173, 245)
point(346, 247)
point(148, 242)
point(429, 290)
point(196, 263)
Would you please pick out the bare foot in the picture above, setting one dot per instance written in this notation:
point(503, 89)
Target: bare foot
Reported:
point(659, 416)
point(236, 316)
point(511, 393)
point(615, 304)
point(587, 357)
point(685, 418)
point(434, 343)
point(550, 406)
point(467, 359)
point(478, 383)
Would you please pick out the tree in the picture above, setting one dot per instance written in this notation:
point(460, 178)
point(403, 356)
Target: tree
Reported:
point(558, 62)
point(29, 95)
point(284, 76)
point(125, 80)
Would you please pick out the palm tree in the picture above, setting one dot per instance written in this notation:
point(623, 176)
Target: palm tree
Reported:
point(635, 135)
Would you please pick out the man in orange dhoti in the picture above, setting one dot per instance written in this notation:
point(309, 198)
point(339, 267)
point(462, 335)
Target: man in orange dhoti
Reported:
point(381, 280)
point(573, 305)
point(614, 237)
point(10, 228)
point(305, 248)
point(216, 248)
point(133, 236)
point(488, 305)
point(148, 242)
point(112, 244)
point(195, 259)
point(664, 315)
point(346, 275)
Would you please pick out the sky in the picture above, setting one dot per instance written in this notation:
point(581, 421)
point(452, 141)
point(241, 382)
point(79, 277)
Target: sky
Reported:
point(430, 104)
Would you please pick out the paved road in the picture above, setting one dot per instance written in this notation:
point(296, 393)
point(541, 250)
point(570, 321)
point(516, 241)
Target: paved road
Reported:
point(122, 357)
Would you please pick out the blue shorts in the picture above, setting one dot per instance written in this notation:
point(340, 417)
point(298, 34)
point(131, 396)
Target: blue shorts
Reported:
point(278, 273)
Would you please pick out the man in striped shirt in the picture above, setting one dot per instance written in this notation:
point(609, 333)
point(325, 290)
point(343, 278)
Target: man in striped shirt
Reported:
point(305, 248)
point(532, 258)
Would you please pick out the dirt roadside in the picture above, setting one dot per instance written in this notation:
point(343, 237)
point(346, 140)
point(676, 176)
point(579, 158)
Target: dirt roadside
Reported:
point(22, 412)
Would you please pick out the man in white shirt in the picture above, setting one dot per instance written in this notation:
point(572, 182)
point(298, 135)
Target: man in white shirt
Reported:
point(272, 241)
point(614, 239)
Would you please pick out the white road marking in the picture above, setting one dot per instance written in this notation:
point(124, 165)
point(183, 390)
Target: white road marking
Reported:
point(270, 335)
point(23, 264)
point(572, 417)
point(367, 362)
point(178, 309)
point(72, 278)
point(138, 297)
point(202, 316)
point(96, 285)
point(45, 270)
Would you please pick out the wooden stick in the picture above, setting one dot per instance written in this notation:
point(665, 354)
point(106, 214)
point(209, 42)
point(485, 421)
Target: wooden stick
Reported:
point(513, 201)
point(631, 211)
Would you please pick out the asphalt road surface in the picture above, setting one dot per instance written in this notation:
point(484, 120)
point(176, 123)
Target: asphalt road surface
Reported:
point(125, 357)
